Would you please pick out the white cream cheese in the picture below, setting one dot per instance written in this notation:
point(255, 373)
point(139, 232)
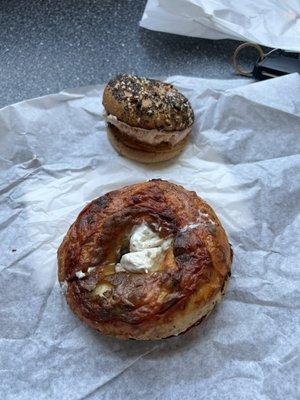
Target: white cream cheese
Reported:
point(143, 237)
point(80, 274)
point(202, 220)
point(150, 136)
point(146, 251)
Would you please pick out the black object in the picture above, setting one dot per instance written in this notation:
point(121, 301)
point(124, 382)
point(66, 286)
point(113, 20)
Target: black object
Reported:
point(277, 65)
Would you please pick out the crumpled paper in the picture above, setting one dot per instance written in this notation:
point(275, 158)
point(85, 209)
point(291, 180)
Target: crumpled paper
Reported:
point(272, 23)
point(243, 158)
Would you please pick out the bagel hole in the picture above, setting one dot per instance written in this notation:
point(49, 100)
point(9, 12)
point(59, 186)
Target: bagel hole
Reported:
point(124, 249)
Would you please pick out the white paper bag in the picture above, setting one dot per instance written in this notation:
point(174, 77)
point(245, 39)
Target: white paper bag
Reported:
point(272, 23)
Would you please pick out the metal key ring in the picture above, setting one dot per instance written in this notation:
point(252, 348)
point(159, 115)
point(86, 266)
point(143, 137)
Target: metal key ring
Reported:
point(237, 68)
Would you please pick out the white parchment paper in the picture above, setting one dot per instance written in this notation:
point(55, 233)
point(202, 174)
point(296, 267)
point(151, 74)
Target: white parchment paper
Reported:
point(273, 23)
point(243, 158)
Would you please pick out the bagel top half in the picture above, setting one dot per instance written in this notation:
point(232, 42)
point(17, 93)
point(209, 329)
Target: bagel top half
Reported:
point(152, 304)
point(147, 104)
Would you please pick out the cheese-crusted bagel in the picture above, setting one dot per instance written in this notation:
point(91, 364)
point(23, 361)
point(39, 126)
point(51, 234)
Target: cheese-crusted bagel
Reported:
point(162, 299)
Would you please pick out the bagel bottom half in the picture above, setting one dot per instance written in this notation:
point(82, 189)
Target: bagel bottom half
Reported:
point(149, 156)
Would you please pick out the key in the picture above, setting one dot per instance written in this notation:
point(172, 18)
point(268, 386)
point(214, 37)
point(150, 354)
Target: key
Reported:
point(270, 65)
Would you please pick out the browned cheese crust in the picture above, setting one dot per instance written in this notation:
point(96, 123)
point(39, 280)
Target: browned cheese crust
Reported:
point(145, 305)
point(147, 103)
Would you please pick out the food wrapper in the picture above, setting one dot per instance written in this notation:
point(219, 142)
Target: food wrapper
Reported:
point(272, 23)
point(243, 159)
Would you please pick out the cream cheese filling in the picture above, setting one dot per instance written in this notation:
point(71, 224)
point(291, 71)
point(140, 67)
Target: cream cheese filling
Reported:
point(146, 251)
point(150, 136)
